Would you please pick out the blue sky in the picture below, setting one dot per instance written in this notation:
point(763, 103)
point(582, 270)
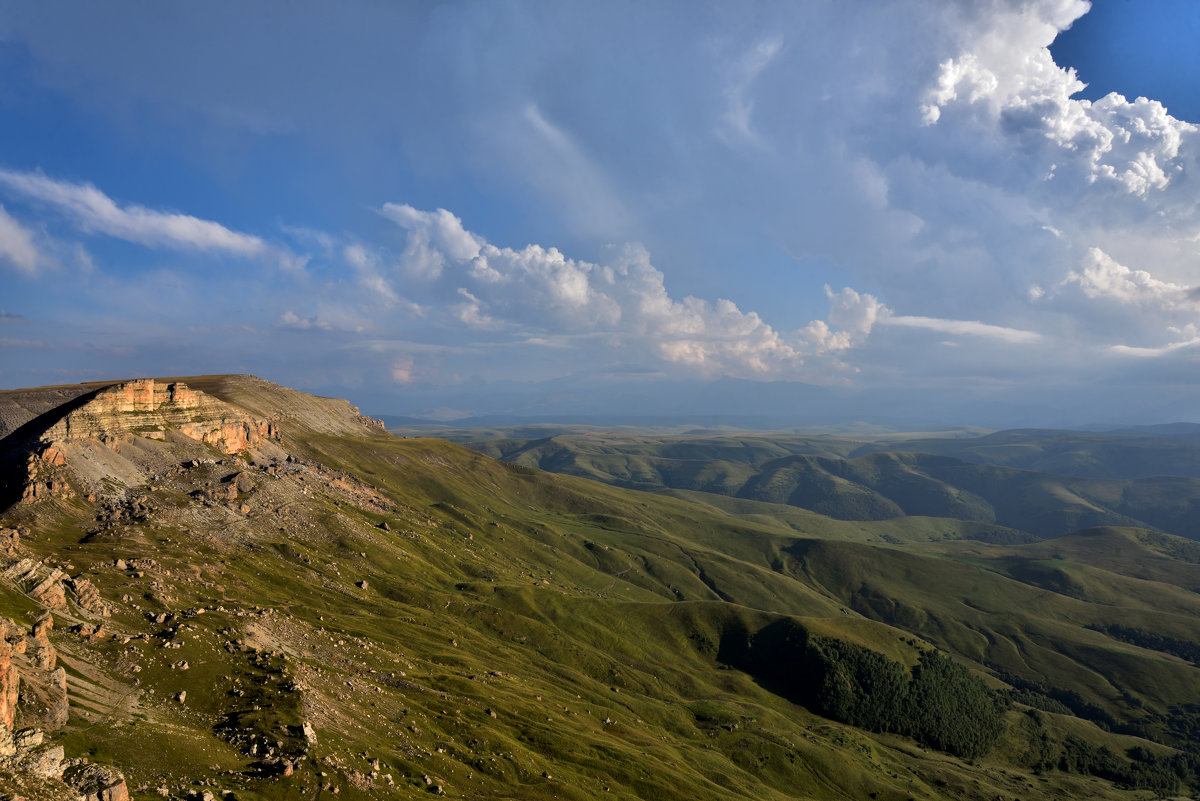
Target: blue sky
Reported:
point(905, 210)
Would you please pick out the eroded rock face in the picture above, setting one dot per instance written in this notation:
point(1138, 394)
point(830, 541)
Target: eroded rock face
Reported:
point(114, 416)
point(149, 408)
point(88, 597)
point(10, 684)
point(50, 591)
point(43, 761)
point(45, 476)
point(42, 699)
point(38, 699)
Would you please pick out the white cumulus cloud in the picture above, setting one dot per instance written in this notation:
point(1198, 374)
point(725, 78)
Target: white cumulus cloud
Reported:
point(489, 287)
point(1101, 276)
point(541, 288)
point(1009, 77)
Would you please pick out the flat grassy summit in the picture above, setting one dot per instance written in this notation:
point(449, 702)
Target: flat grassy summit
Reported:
point(222, 586)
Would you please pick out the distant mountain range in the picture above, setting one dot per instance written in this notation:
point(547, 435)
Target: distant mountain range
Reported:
point(1044, 483)
point(651, 400)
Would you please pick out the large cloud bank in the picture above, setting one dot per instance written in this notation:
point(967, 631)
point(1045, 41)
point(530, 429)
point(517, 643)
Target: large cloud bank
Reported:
point(902, 191)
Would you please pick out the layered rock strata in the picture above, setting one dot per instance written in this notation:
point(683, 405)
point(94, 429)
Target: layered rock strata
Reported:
point(150, 408)
point(141, 408)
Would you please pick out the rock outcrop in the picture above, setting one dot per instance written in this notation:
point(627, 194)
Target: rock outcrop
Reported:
point(88, 597)
point(46, 475)
point(10, 680)
point(44, 585)
point(150, 408)
point(10, 541)
point(26, 758)
point(42, 700)
point(96, 782)
point(112, 417)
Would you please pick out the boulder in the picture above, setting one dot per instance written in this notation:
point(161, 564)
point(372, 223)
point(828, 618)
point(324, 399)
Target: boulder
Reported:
point(96, 782)
point(243, 482)
point(50, 591)
point(43, 761)
point(10, 541)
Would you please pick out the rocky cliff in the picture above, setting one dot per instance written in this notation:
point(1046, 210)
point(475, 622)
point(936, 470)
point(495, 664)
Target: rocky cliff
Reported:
point(87, 440)
point(151, 408)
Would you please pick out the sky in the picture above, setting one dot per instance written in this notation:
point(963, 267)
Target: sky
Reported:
point(911, 212)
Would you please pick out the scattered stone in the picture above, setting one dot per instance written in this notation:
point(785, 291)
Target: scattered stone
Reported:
point(181, 696)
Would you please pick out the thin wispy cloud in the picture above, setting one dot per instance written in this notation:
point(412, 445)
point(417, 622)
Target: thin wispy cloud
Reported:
point(92, 211)
point(972, 328)
point(17, 248)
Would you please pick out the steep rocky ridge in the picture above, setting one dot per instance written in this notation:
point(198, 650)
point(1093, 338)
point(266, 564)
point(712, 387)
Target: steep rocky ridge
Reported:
point(254, 395)
point(20, 406)
point(151, 409)
point(117, 435)
point(268, 400)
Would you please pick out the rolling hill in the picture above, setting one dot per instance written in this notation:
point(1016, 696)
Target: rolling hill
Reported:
point(824, 475)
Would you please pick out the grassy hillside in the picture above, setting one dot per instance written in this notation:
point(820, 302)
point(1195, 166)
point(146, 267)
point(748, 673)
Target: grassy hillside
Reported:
point(391, 617)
